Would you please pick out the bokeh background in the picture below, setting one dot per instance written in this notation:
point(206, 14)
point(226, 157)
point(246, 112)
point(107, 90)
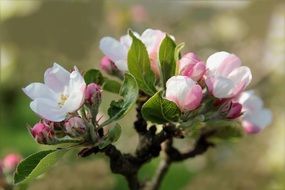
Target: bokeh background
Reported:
point(35, 33)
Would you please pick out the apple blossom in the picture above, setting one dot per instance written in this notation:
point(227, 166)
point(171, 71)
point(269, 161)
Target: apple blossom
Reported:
point(184, 92)
point(117, 51)
point(225, 77)
point(10, 162)
point(43, 133)
point(61, 93)
point(255, 116)
point(75, 127)
point(190, 65)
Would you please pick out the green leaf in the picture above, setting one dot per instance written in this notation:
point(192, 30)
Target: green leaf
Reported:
point(36, 164)
point(111, 86)
point(139, 66)
point(93, 76)
point(114, 133)
point(177, 54)
point(129, 91)
point(167, 59)
point(160, 110)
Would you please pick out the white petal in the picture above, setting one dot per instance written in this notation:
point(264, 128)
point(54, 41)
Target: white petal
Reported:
point(39, 90)
point(152, 39)
point(260, 118)
point(215, 60)
point(76, 89)
point(250, 101)
point(122, 65)
point(48, 109)
point(241, 76)
point(56, 78)
point(222, 63)
point(222, 87)
point(113, 49)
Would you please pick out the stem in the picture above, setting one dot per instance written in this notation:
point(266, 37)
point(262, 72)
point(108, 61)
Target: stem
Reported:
point(162, 168)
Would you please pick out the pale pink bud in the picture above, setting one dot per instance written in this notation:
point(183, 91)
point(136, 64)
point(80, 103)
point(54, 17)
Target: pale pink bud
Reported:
point(235, 110)
point(108, 66)
point(10, 162)
point(43, 133)
point(190, 65)
point(184, 92)
point(75, 127)
point(93, 93)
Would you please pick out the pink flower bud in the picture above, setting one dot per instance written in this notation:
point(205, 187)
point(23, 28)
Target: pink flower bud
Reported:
point(108, 66)
point(93, 93)
point(75, 127)
point(235, 111)
point(43, 133)
point(184, 92)
point(10, 162)
point(190, 65)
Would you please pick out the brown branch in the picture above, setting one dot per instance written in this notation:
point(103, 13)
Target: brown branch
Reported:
point(162, 168)
point(149, 147)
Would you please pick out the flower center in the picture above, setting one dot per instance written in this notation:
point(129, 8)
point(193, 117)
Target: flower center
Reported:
point(62, 100)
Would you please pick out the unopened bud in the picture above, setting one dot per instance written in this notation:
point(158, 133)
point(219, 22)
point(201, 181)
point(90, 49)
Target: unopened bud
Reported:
point(235, 111)
point(75, 127)
point(190, 65)
point(109, 67)
point(10, 162)
point(43, 133)
point(93, 93)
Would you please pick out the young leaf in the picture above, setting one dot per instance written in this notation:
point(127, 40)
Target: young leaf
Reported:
point(114, 133)
point(129, 91)
point(167, 59)
point(139, 66)
point(94, 76)
point(36, 164)
point(111, 86)
point(160, 110)
point(177, 54)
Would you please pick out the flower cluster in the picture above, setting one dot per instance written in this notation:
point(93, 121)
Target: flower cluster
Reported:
point(215, 89)
point(59, 102)
point(202, 99)
point(221, 78)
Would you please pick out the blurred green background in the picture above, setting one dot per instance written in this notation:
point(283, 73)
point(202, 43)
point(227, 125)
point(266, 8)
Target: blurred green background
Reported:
point(35, 33)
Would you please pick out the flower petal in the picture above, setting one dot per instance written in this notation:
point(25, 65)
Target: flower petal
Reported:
point(39, 90)
point(222, 87)
point(113, 49)
point(222, 63)
point(241, 77)
point(152, 39)
point(48, 109)
point(76, 89)
point(56, 78)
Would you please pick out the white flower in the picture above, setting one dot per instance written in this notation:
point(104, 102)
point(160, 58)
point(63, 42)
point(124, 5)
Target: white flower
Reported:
point(117, 51)
point(61, 93)
point(225, 76)
point(255, 116)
